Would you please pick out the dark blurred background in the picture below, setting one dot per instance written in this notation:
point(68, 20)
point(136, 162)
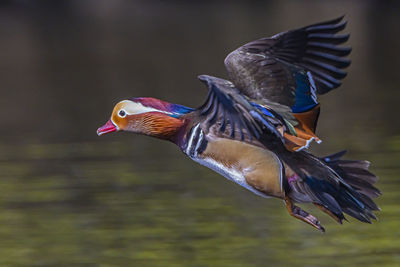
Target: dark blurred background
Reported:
point(70, 198)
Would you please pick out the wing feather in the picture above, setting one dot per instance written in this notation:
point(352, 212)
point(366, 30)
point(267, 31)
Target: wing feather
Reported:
point(266, 68)
point(226, 106)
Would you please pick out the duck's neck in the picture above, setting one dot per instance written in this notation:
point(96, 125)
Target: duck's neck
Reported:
point(162, 126)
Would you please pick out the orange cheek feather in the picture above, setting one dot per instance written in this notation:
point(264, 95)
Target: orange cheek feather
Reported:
point(120, 122)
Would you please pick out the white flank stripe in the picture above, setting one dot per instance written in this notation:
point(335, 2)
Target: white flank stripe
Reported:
point(198, 143)
point(193, 133)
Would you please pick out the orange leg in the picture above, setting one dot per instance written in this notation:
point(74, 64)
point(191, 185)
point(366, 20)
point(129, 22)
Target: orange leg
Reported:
point(300, 214)
point(336, 218)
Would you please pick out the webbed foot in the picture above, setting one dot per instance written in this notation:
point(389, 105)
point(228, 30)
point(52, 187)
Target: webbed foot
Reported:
point(302, 215)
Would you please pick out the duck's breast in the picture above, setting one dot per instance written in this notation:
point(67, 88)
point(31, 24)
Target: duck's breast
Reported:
point(255, 168)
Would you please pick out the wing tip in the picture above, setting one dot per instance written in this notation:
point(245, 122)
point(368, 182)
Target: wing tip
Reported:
point(329, 22)
point(210, 80)
point(203, 77)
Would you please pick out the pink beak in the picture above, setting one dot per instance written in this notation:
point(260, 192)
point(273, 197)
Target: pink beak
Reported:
point(109, 127)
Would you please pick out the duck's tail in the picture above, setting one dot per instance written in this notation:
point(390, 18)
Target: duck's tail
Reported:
point(358, 202)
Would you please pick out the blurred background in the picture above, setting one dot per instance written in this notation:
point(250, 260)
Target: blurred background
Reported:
point(71, 198)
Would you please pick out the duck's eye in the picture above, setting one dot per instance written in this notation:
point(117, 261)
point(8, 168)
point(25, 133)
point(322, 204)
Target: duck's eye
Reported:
point(122, 113)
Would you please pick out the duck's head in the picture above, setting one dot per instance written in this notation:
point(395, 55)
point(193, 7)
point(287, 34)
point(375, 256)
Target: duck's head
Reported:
point(147, 116)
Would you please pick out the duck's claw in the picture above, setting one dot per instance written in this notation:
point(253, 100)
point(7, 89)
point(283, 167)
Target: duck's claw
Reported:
point(300, 214)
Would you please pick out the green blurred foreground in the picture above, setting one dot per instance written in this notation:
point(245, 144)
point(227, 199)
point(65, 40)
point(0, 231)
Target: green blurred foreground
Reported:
point(66, 205)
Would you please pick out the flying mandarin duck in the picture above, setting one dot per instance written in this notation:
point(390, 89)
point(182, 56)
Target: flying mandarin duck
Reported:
point(254, 129)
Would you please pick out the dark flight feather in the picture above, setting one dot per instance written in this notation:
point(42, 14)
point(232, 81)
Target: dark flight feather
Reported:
point(227, 106)
point(265, 68)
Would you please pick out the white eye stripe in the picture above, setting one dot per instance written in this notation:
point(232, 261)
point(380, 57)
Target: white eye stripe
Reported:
point(133, 108)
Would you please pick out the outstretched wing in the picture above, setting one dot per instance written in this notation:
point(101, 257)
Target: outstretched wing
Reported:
point(288, 67)
point(227, 107)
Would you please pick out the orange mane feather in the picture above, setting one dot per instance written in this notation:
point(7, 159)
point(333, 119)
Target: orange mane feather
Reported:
point(156, 124)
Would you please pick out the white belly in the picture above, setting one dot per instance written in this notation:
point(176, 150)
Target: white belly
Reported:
point(229, 173)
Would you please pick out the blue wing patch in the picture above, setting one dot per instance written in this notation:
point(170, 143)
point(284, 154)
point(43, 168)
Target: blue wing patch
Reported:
point(262, 109)
point(305, 97)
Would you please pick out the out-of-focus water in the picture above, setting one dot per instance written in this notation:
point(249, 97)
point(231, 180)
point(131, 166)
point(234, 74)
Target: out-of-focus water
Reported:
point(70, 198)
